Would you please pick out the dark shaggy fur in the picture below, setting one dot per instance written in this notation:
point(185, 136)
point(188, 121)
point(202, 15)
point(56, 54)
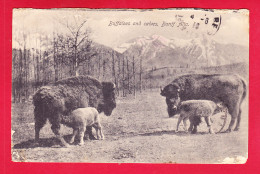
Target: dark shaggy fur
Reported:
point(64, 96)
point(227, 88)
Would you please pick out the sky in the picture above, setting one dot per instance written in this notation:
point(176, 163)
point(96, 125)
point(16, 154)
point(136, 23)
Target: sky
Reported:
point(102, 23)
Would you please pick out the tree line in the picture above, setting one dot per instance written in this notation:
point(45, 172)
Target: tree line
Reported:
point(67, 54)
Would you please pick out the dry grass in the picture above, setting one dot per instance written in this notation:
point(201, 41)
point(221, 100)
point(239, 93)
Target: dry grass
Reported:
point(139, 130)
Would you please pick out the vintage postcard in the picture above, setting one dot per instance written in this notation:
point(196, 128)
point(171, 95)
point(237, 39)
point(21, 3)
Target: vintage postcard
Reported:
point(130, 85)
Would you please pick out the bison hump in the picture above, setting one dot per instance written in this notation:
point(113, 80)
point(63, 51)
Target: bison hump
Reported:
point(80, 81)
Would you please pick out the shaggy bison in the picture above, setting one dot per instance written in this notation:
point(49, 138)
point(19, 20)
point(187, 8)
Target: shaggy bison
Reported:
point(60, 98)
point(197, 108)
point(227, 88)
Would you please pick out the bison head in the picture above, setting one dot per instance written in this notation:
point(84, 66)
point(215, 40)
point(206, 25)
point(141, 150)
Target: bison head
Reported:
point(109, 101)
point(172, 94)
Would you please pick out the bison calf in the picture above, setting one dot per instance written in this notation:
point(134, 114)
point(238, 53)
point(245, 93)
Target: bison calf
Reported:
point(191, 109)
point(81, 118)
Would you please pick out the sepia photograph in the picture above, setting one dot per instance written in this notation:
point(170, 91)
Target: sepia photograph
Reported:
point(130, 85)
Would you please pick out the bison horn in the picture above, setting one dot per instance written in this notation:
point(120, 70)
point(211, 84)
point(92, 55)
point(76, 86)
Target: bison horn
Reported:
point(114, 86)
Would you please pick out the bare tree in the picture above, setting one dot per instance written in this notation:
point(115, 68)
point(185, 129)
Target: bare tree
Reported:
point(79, 45)
point(123, 76)
point(114, 70)
point(118, 76)
point(55, 58)
point(128, 76)
point(21, 61)
point(140, 74)
point(134, 85)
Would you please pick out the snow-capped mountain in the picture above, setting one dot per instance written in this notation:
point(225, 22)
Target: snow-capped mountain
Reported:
point(161, 52)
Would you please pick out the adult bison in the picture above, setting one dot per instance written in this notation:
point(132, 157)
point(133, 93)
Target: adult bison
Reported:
point(60, 98)
point(227, 88)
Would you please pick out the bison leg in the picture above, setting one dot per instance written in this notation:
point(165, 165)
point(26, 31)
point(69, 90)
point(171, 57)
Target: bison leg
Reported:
point(55, 127)
point(56, 131)
point(208, 121)
point(234, 115)
point(99, 131)
point(191, 124)
point(191, 127)
point(40, 120)
point(89, 134)
point(185, 123)
point(75, 132)
point(179, 121)
point(81, 135)
point(194, 131)
point(98, 134)
point(195, 121)
point(238, 120)
point(39, 123)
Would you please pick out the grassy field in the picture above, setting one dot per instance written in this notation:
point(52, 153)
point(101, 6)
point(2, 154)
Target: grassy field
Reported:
point(139, 130)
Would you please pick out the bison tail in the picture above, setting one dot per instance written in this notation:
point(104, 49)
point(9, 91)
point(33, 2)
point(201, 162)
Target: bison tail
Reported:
point(245, 91)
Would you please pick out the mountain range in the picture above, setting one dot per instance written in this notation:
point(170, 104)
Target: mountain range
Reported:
point(158, 51)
